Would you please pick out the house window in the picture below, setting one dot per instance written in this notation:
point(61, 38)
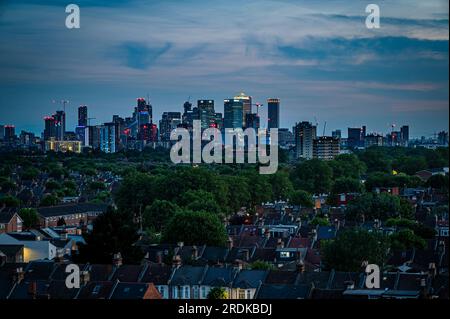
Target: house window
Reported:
point(161, 290)
point(175, 292)
point(186, 292)
point(241, 294)
point(195, 288)
point(285, 254)
point(203, 292)
point(248, 294)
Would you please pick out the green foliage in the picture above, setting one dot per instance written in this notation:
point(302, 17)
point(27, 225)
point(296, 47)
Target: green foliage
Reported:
point(313, 176)
point(439, 182)
point(406, 239)
point(97, 186)
point(217, 293)
point(29, 216)
point(281, 185)
point(30, 174)
point(49, 200)
point(321, 221)
point(52, 185)
point(157, 215)
point(261, 265)
point(195, 228)
point(352, 247)
point(347, 185)
point(6, 185)
point(347, 166)
point(112, 233)
point(302, 198)
point(378, 206)
point(9, 201)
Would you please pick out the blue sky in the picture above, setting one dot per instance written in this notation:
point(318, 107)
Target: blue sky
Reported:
point(316, 56)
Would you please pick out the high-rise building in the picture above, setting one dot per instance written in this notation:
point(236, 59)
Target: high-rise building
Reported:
point(326, 148)
point(443, 138)
point(285, 138)
point(10, 133)
point(60, 125)
point(233, 110)
point(246, 106)
point(109, 138)
point(2, 132)
point(373, 140)
point(337, 134)
point(218, 121)
point(304, 133)
point(26, 138)
point(355, 137)
point(83, 116)
point(168, 122)
point(94, 136)
point(206, 113)
point(252, 120)
point(404, 135)
point(273, 113)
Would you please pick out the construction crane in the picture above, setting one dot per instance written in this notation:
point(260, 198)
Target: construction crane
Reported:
point(324, 127)
point(63, 102)
point(258, 105)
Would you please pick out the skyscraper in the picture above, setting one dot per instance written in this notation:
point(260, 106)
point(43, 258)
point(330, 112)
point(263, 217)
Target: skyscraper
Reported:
point(83, 116)
point(337, 134)
point(2, 132)
point(49, 128)
point(304, 133)
point(233, 113)
point(356, 136)
point(246, 106)
point(109, 138)
point(326, 148)
point(273, 113)
point(404, 134)
point(60, 125)
point(252, 120)
point(168, 122)
point(206, 113)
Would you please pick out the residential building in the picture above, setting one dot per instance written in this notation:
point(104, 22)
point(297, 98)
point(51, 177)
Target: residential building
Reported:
point(326, 147)
point(305, 133)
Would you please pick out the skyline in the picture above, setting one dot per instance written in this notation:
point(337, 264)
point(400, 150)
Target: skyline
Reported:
point(331, 68)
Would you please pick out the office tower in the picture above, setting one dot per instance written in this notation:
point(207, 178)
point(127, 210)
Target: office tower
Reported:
point(218, 121)
point(326, 148)
point(355, 137)
point(252, 120)
point(206, 113)
point(273, 113)
point(285, 137)
point(373, 140)
point(83, 116)
point(10, 133)
point(443, 138)
point(60, 125)
point(26, 138)
point(187, 107)
point(246, 106)
point(94, 136)
point(404, 135)
point(394, 138)
point(82, 135)
point(2, 132)
point(304, 133)
point(233, 110)
point(109, 138)
point(169, 121)
point(49, 128)
point(148, 133)
point(337, 134)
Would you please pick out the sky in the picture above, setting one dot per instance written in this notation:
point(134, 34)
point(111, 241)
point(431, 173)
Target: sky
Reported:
point(318, 57)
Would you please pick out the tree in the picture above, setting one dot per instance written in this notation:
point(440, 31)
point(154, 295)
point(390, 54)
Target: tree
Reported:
point(195, 228)
point(9, 201)
point(302, 198)
point(352, 247)
point(346, 185)
point(217, 293)
point(49, 200)
point(29, 216)
point(313, 176)
point(321, 221)
point(158, 214)
point(406, 239)
point(261, 265)
point(197, 200)
point(347, 166)
point(281, 185)
point(112, 233)
point(439, 182)
point(377, 206)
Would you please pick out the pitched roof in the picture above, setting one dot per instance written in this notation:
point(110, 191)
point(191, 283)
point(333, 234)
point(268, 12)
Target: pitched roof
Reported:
point(96, 290)
point(128, 273)
point(158, 274)
point(70, 209)
point(6, 216)
point(249, 278)
point(219, 276)
point(275, 277)
point(10, 250)
point(273, 291)
point(188, 275)
point(126, 290)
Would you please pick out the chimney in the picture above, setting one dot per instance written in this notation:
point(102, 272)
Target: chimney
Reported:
point(230, 243)
point(176, 261)
point(432, 270)
point(19, 275)
point(159, 258)
point(267, 233)
point(32, 289)
point(180, 244)
point(63, 235)
point(85, 277)
point(300, 266)
point(246, 254)
point(194, 252)
point(117, 260)
point(280, 243)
